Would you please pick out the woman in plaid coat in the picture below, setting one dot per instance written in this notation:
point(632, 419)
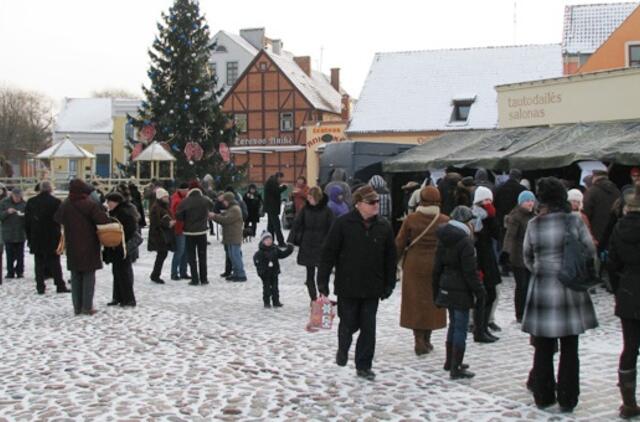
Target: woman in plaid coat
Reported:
point(552, 311)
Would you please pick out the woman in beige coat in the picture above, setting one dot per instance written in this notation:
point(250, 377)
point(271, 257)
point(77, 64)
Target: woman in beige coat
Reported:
point(418, 311)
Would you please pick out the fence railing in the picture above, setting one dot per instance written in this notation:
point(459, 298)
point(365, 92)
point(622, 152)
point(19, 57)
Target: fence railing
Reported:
point(28, 184)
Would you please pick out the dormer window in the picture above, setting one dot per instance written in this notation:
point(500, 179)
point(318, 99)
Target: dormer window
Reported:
point(221, 48)
point(634, 55)
point(461, 109)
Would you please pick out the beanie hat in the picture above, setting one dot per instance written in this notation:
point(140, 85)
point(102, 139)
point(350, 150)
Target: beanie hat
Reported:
point(551, 191)
point(114, 197)
point(468, 181)
point(161, 193)
point(365, 193)
point(462, 214)
point(429, 196)
point(481, 194)
point(183, 185)
point(515, 174)
point(229, 197)
point(525, 196)
point(194, 184)
point(575, 195)
point(264, 235)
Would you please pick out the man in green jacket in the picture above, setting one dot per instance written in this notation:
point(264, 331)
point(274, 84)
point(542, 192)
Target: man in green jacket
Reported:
point(13, 232)
point(232, 225)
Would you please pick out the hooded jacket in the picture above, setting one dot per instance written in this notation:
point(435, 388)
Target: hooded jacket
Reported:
point(309, 230)
point(338, 207)
point(267, 259)
point(232, 224)
point(194, 212)
point(380, 186)
point(339, 178)
point(624, 259)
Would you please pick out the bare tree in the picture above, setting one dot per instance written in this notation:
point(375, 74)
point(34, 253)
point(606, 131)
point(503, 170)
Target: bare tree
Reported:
point(26, 120)
point(114, 93)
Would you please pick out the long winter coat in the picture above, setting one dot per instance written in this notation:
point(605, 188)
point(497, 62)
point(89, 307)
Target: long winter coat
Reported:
point(127, 214)
point(553, 310)
point(447, 187)
point(79, 218)
point(194, 212)
point(624, 259)
point(515, 228)
point(487, 262)
point(272, 192)
point(254, 202)
point(43, 234)
point(598, 201)
point(13, 225)
point(363, 254)
point(418, 311)
point(309, 229)
point(159, 224)
point(232, 224)
point(455, 272)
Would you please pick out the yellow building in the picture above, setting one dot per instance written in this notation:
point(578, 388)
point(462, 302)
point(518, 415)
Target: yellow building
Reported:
point(319, 135)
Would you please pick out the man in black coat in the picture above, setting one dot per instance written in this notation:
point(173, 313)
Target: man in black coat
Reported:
point(43, 237)
point(360, 245)
point(506, 199)
point(272, 191)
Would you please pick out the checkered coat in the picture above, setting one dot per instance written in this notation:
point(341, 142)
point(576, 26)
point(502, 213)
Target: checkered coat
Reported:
point(552, 310)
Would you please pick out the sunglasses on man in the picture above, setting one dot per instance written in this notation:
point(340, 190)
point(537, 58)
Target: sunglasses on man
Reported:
point(372, 202)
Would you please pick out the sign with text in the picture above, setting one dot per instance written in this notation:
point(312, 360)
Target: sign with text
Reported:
point(253, 142)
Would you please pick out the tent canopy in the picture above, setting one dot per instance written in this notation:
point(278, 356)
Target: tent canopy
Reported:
point(534, 148)
point(64, 149)
point(155, 152)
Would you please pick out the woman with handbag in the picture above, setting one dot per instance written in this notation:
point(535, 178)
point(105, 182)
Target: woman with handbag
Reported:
point(121, 257)
point(416, 245)
point(160, 233)
point(552, 310)
point(309, 230)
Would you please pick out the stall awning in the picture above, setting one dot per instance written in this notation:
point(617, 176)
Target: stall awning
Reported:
point(532, 148)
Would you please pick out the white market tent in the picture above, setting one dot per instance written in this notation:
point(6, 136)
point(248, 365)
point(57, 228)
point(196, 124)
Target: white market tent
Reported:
point(64, 149)
point(155, 154)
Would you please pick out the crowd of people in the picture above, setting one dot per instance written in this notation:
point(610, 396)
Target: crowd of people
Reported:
point(457, 239)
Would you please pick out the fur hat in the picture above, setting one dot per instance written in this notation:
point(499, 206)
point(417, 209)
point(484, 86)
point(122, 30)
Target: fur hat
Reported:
point(462, 214)
point(481, 194)
point(429, 196)
point(526, 196)
point(551, 191)
point(575, 195)
point(264, 235)
point(229, 197)
point(365, 193)
point(161, 193)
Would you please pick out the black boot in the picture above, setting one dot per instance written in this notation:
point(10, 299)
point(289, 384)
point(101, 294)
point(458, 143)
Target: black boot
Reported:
point(457, 371)
point(447, 362)
point(627, 384)
point(480, 333)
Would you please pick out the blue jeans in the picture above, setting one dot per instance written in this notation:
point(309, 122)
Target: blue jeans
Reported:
point(179, 260)
point(235, 254)
point(458, 323)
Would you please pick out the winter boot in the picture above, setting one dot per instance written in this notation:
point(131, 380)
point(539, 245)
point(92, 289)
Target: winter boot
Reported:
point(447, 362)
point(480, 333)
point(457, 371)
point(420, 347)
point(427, 341)
point(627, 384)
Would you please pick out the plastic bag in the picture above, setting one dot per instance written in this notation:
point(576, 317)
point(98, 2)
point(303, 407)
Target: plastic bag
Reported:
point(323, 311)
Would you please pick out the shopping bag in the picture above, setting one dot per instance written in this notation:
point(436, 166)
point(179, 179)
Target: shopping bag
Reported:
point(323, 311)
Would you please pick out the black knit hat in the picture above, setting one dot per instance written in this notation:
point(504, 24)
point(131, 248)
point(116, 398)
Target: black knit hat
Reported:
point(114, 197)
point(551, 192)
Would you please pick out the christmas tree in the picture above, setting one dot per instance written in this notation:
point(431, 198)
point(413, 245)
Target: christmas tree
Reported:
point(181, 110)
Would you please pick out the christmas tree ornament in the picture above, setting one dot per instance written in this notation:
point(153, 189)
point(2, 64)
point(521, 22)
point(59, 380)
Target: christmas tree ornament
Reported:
point(147, 133)
point(205, 131)
point(187, 97)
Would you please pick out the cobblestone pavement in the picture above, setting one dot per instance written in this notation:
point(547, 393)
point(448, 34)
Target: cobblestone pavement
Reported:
point(213, 353)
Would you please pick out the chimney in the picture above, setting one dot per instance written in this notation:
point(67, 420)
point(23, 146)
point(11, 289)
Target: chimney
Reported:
point(304, 62)
point(345, 111)
point(254, 36)
point(276, 46)
point(335, 78)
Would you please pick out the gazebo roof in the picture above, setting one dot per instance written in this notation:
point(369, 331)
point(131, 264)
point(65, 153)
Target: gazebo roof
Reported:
point(155, 152)
point(65, 149)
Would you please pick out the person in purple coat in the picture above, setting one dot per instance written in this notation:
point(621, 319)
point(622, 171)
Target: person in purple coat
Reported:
point(336, 201)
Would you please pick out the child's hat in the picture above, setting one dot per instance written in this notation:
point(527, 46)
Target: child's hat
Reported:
point(264, 235)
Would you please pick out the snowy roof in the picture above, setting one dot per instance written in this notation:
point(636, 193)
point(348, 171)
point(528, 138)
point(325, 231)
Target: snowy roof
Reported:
point(587, 26)
point(64, 149)
point(155, 152)
point(240, 41)
point(316, 88)
point(414, 91)
point(86, 115)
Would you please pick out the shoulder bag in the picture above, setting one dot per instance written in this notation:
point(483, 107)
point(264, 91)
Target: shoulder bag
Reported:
point(417, 239)
point(574, 273)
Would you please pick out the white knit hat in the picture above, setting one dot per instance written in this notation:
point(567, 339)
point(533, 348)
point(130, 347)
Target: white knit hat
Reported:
point(575, 195)
point(161, 193)
point(264, 235)
point(481, 194)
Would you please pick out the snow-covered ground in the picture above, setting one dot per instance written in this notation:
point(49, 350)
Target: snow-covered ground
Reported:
point(213, 352)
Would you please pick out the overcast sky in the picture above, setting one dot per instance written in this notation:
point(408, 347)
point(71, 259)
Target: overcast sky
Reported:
point(69, 48)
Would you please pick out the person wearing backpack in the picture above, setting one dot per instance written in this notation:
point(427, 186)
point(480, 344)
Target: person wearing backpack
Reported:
point(624, 261)
point(554, 312)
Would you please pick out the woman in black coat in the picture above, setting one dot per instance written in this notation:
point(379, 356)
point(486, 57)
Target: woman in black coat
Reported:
point(624, 260)
point(254, 201)
point(455, 283)
point(122, 262)
point(160, 233)
point(310, 228)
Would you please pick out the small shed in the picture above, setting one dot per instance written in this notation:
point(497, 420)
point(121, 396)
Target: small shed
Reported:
point(65, 149)
point(155, 154)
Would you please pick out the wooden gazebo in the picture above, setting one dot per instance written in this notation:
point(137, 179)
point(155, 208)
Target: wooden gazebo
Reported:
point(155, 154)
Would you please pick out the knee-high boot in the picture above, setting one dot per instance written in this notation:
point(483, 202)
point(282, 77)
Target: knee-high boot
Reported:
point(627, 384)
point(457, 369)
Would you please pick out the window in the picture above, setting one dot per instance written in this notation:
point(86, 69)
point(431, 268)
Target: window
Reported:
point(232, 72)
point(634, 55)
point(213, 67)
point(103, 165)
point(286, 122)
point(73, 167)
point(461, 110)
point(221, 49)
point(130, 132)
point(241, 122)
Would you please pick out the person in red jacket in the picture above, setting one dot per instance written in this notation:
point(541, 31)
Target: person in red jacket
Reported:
point(179, 260)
